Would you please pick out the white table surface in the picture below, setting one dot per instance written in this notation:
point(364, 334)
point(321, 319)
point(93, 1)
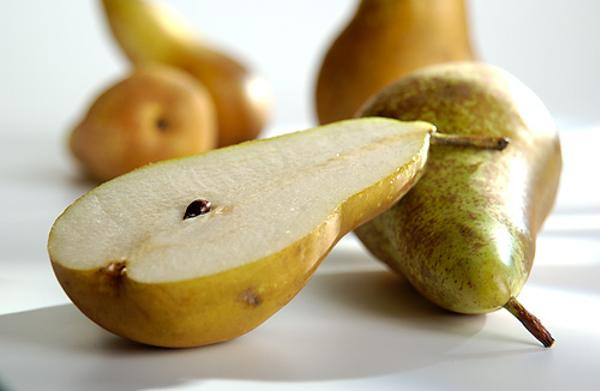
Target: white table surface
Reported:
point(354, 325)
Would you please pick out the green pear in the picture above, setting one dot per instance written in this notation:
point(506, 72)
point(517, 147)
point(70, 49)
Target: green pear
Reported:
point(464, 236)
point(203, 249)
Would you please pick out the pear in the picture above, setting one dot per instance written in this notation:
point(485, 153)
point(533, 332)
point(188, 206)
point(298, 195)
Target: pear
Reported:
point(148, 33)
point(156, 113)
point(464, 236)
point(203, 249)
point(387, 39)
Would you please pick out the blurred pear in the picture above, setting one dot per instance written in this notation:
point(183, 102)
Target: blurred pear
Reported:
point(148, 33)
point(385, 40)
point(156, 113)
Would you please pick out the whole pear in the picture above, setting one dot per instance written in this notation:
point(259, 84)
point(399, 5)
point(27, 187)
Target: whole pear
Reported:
point(385, 40)
point(156, 113)
point(149, 33)
point(465, 235)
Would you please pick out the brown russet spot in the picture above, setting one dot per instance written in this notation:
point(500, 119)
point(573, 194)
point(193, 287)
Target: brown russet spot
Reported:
point(462, 91)
point(450, 198)
point(251, 297)
point(111, 278)
point(466, 232)
point(115, 269)
point(471, 168)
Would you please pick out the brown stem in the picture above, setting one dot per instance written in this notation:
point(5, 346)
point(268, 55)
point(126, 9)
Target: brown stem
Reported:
point(483, 142)
point(530, 322)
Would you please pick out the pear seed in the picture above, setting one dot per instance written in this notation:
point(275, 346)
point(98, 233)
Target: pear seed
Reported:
point(197, 208)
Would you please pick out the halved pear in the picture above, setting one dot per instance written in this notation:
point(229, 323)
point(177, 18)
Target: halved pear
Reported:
point(203, 249)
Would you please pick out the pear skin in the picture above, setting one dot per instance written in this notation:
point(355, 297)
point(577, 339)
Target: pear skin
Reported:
point(148, 33)
point(464, 236)
point(387, 39)
point(154, 114)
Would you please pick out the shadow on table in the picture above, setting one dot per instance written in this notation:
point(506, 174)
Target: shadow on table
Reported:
point(343, 325)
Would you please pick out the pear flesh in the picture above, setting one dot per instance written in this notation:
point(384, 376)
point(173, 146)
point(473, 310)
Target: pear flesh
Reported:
point(464, 236)
point(136, 260)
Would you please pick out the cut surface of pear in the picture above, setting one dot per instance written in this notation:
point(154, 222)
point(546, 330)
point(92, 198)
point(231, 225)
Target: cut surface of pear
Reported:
point(131, 260)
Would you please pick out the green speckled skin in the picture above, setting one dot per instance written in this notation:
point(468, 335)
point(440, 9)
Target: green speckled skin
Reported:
point(464, 236)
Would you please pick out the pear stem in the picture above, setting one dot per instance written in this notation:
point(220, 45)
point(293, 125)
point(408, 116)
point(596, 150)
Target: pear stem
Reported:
point(482, 142)
point(531, 323)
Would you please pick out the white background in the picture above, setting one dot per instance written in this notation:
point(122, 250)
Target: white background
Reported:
point(57, 55)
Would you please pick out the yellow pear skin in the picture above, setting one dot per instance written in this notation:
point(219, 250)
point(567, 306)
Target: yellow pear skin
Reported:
point(200, 311)
point(387, 39)
point(465, 235)
point(132, 257)
point(148, 34)
point(154, 114)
